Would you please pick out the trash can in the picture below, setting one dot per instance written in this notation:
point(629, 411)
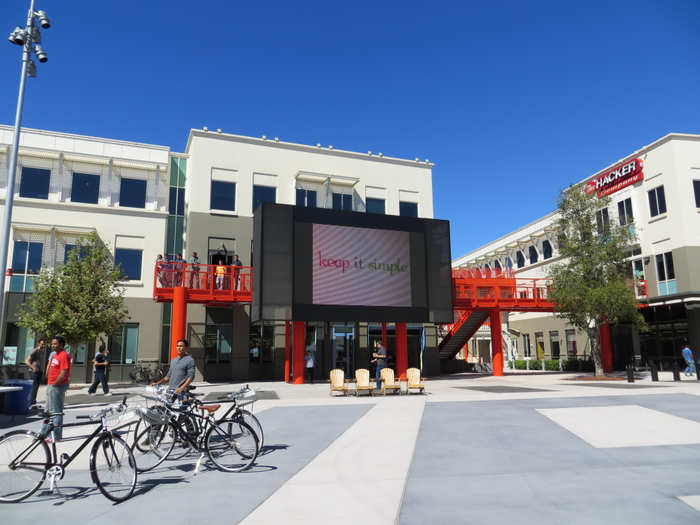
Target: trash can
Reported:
point(17, 402)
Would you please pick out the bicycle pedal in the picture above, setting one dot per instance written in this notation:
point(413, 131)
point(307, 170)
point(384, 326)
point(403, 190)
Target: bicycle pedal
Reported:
point(64, 457)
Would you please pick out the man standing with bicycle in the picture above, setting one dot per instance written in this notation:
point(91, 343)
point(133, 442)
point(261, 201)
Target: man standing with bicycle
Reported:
point(58, 379)
point(181, 372)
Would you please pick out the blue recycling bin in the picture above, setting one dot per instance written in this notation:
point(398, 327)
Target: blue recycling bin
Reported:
point(17, 402)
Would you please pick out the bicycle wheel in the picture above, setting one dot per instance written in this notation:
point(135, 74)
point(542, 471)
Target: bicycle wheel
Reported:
point(182, 446)
point(24, 460)
point(113, 467)
point(152, 445)
point(250, 418)
point(231, 450)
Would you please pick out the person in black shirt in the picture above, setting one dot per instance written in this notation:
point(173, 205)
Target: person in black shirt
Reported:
point(33, 361)
point(100, 364)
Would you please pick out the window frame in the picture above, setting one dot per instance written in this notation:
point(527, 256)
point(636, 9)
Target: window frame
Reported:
point(375, 201)
point(126, 181)
point(72, 188)
point(696, 190)
point(602, 221)
point(342, 199)
point(305, 194)
point(406, 203)
point(527, 350)
point(140, 262)
point(29, 176)
point(119, 358)
point(261, 187)
point(656, 202)
point(212, 193)
point(624, 211)
point(665, 267)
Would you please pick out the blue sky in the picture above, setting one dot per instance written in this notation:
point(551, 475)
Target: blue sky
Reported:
point(512, 100)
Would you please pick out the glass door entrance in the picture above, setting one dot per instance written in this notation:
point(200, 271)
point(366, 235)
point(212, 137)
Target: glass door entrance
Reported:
point(344, 348)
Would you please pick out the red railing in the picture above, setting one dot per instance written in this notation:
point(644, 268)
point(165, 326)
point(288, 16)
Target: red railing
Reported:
point(203, 283)
point(486, 289)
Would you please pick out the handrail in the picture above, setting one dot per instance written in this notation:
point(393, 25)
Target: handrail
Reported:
point(203, 282)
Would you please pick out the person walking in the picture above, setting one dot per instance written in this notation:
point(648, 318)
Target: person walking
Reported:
point(181, 371)
point(309, 366)
point(687, 354)
point(58, 379)
point(381, 359)
point(33, 361)
point(99, 368)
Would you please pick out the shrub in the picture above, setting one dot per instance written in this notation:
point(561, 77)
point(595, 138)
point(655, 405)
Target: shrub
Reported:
point(551, 364)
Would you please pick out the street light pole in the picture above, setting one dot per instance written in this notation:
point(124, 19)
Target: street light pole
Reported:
point(30, 34)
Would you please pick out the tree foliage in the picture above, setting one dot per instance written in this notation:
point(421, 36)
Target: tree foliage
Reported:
point(593, 284)
point(80, 299)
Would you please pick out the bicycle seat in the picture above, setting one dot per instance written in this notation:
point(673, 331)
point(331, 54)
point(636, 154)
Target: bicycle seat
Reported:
point(210, 408)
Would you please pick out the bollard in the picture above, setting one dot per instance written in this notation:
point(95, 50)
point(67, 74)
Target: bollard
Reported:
point(630, 374)
point(676, 371)
point(654, 371)
point(561, 366)
point(543, 367)
point(527, 364)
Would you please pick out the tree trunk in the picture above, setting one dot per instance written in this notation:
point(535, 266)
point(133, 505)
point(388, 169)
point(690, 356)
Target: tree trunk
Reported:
point(594, 338)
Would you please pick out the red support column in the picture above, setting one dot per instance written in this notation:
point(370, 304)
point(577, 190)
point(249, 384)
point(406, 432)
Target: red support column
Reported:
point(384, 335)
point(606, 348)
point(401, 350)
point(178, 324)
point(496, 343)
point(299, 329)
point(287, 353)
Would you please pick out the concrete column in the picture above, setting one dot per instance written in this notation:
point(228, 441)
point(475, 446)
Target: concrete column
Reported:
point(496, 343)
point(179, 322)
point(401, 350)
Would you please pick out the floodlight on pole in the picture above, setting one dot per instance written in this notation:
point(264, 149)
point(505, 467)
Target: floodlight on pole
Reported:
point(28, 38)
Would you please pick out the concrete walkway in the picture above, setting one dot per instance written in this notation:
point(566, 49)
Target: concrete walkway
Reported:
point(474, 449)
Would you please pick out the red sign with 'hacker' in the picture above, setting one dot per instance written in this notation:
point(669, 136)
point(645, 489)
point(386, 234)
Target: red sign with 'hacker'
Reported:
point(616, 179)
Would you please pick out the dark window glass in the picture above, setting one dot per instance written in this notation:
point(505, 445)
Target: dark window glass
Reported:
point(497, 265)
point(35, 183)
point(408, 209)
point(624, 211)
point(85, 188)
point(26, 257)
point(306, 198)
point(177, 201)
point(130, 263)
point(554, 344)
point(696, 189)
point(547, 249)
point(520, 259)
point(375, 205)
point(342, 202)
point(263, 194)
point(132, 193)
point(602, 221)
point(223, 195)
point(660, 270)
point(670, 271)
point(124, 344)
point(69, 248)
point(509, 262)
point(533, 255)
point(657, 201)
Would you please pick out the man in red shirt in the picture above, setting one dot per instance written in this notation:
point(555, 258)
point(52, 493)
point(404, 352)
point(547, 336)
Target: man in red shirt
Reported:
point(58, 378)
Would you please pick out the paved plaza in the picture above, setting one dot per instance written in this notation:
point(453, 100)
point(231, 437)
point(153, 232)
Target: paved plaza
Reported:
point(539, 448)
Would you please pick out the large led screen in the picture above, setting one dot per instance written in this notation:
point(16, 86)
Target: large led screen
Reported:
point(314, 264)
point(360, 266)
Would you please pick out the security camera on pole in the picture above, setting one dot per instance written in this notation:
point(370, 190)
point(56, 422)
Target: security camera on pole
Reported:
point(29, 38)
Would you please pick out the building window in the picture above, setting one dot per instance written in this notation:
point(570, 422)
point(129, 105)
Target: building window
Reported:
point(696, 189)
point(509, 263)
point(306, 198)
point(539, 343)
point(26, 262)
point(263, 194)
point(218, 335)
point(547, 250)
point(624, 211)
point(342, 202)
point(666, 273)
point(35, 183)
point(497, 266)
point(130, 263)
point(554, 343)
point(533, 254)
point(408, 209)
point(526, 345)
point(124, 345)
point(69, 248)
point(602, 221)
point(132, 193)
point(375, 205)
point(657, 201)
point(85, 188)
point(223, 195)
point(571, 350)
point(176, 204)
point(520, 259)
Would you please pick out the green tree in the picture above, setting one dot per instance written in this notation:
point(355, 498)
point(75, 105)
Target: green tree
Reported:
point(80, 299)
point(592, 286)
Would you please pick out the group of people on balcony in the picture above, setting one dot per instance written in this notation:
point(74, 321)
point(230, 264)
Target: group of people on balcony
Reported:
point(178, 272)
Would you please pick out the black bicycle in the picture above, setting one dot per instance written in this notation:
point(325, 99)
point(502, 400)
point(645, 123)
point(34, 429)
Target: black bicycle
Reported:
point(26, 459)
point(174, 428)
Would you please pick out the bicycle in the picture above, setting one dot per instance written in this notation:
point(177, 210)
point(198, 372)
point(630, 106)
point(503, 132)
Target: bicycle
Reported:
point(232, 445)
point(26, 461)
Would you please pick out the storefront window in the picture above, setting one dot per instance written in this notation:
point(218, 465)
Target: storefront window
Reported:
point(218, 335)
point(539, 343)
point(571, 350)
point(666, 273)
point(554, 343)
point(526, 345)
point(124, 344)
